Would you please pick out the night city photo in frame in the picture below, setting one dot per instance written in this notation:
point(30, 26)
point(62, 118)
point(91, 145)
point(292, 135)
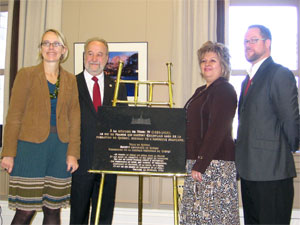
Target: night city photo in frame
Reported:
point(133, 54)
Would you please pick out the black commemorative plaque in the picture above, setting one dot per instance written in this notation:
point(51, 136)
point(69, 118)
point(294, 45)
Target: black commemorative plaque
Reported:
point(140, 139)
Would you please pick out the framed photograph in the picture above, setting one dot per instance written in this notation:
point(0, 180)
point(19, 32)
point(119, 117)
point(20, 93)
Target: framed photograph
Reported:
point(133, 54)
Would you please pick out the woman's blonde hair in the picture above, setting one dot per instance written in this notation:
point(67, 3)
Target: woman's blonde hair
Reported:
point(222, 52)
point(61, 39)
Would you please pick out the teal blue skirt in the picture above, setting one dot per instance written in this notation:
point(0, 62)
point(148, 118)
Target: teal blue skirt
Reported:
point(40, 177)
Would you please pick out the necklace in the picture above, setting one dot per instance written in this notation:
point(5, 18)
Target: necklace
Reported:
point(55, 92)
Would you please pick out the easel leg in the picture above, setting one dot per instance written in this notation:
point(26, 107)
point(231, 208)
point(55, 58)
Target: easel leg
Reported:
point(99, 199)
point(140, 203)
point(175, 196)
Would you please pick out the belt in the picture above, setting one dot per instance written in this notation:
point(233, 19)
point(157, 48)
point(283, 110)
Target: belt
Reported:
point(53, 129)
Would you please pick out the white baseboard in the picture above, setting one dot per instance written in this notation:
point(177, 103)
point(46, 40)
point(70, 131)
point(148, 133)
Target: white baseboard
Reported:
point(123, 216)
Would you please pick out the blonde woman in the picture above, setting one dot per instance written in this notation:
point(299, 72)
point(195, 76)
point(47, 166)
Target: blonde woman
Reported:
point(42, 135)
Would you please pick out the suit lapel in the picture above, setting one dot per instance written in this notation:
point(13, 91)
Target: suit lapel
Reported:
point(84, 92)
point(260, 75)
point(108, 91)
point(257, 80)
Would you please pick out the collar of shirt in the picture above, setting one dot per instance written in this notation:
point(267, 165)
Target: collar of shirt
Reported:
point(90, 83)
point(253, 69)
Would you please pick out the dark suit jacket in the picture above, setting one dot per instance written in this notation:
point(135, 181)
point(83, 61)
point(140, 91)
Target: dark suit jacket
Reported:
point(89, 118)
point(268, 129)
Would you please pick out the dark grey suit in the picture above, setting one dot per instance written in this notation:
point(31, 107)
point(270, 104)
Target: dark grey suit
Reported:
point(268, 129)
point(85, 186)
point(268, 125)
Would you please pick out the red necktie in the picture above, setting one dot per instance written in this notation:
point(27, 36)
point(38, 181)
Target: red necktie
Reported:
point(96, 94)
point(247, 87)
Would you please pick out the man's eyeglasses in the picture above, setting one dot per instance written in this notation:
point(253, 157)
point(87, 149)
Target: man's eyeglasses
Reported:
point(253, 41)
point(48, 44)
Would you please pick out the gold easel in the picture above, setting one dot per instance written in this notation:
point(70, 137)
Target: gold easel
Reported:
point(136, 87)
point(136, 102)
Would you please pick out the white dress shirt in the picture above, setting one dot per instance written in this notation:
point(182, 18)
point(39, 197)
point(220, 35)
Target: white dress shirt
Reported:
point(253, 69)
point(90, 83)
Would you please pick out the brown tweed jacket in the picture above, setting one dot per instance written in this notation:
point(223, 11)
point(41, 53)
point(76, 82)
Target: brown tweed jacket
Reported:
point(28, 117)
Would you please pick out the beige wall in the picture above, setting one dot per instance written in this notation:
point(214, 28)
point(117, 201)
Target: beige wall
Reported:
point(123, 21)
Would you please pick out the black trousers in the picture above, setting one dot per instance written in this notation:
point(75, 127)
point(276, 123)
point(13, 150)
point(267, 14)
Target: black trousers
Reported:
point(267, 202)
point(85, 192)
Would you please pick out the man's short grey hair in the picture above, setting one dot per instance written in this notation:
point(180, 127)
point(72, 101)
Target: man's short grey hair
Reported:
point(98, 40)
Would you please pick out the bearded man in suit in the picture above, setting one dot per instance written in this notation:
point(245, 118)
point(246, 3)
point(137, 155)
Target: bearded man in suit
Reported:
point(268, 133)
point(85, 186)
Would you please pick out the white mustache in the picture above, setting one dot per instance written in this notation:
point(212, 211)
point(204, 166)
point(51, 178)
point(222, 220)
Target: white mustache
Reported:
point(94, 63)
